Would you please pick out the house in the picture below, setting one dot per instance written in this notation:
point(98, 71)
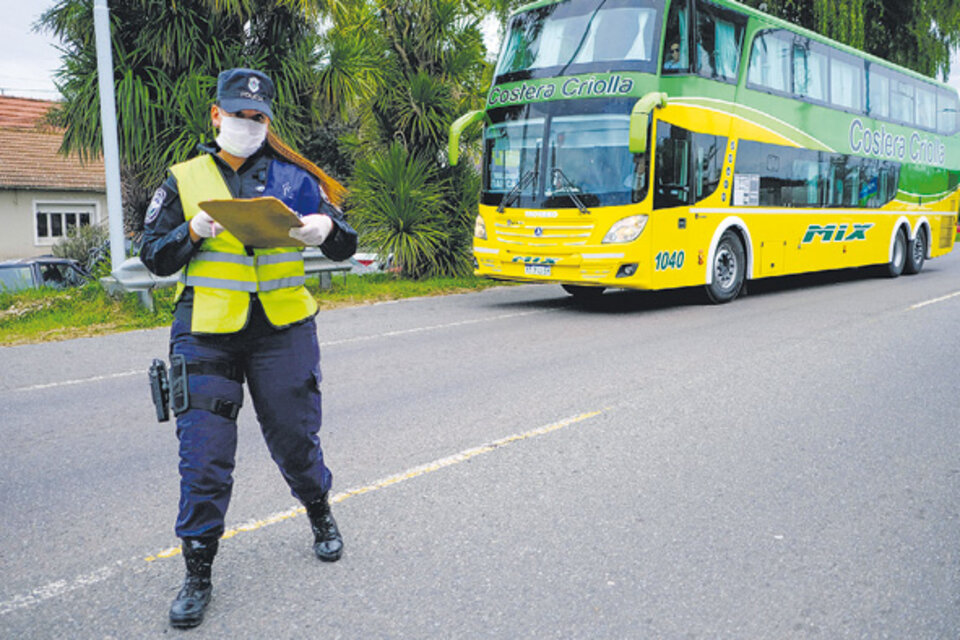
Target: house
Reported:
point(42, 193)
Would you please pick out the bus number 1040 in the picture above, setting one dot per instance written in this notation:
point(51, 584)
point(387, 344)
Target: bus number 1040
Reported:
point(667, 260)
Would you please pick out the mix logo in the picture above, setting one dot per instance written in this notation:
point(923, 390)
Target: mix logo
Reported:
point(534, 260)
point(836, 232)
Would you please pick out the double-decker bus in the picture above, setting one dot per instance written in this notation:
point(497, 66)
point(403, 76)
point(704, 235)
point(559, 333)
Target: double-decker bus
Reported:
point(655, 144)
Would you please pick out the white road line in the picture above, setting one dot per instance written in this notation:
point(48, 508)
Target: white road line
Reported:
point(331, 343)
point(920, 305)
point(449, 325)
point(138, 564)
point(67, 383)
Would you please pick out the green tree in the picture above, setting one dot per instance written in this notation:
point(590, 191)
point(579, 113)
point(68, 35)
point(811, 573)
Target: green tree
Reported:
point(166, 59)
point(407, 200)
point(917, 34)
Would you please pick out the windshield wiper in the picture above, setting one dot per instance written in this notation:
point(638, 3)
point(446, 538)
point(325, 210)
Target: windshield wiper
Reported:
point(527, 178)
point(571, 190)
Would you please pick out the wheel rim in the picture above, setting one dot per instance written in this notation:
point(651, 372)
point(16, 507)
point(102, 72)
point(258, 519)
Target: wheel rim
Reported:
point(919, 249)
point(725, 268)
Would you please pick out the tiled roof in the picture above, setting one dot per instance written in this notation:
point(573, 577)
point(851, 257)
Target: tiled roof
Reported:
point(28, 152)
point(23, 113)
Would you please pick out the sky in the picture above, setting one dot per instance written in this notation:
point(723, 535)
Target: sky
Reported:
point(29, 59)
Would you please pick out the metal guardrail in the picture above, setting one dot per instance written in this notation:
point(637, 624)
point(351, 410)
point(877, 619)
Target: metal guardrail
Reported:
point(133, 277)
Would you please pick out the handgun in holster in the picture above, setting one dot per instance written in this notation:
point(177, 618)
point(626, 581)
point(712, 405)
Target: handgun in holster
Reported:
point(160, 389)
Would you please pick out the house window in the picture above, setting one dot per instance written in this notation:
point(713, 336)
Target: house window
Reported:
point(55, 220)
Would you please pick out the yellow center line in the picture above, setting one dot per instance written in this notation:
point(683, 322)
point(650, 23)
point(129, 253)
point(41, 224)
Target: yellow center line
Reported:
point(415, 472)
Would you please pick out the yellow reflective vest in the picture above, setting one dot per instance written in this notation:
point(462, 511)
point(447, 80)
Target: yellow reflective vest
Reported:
point(224, 275)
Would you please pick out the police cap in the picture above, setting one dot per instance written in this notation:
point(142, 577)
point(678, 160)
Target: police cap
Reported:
point(239, 89)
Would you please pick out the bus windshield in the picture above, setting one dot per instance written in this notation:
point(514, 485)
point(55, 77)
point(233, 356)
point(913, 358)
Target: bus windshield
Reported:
point(566, 35)
point(587, 158)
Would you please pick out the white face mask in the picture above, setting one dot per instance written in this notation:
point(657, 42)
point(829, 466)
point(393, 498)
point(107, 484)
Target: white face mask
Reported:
point(241, 137)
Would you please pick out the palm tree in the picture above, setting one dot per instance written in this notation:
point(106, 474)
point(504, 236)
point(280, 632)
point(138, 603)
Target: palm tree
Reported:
point(166, 59)
point(431, 63)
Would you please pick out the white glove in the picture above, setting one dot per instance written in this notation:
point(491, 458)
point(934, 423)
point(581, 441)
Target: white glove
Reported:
point(205, 226)
point(316, 227)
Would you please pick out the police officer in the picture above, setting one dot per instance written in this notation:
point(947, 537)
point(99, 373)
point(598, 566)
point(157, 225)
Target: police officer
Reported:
point(243, 314)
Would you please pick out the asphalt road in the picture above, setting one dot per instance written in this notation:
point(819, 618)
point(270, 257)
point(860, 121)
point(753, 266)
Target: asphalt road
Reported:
point(509, 464)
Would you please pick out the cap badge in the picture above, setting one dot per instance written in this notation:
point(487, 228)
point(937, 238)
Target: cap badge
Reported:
point(254, 85)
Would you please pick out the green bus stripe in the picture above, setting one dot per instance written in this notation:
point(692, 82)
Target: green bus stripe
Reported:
point(758, 118)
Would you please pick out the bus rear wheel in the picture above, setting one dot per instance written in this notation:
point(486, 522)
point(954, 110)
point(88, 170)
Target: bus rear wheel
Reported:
point(899, 258)
point(916, 253)
point(728, 269)
point(583, 293)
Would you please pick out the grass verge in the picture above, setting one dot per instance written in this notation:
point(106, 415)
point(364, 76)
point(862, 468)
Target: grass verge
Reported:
point(47, 315)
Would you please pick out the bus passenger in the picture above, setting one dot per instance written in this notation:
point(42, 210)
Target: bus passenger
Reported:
point(672, 63)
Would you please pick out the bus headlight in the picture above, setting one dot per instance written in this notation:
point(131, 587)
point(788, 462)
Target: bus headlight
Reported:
point(480, 228)
point(626, 230)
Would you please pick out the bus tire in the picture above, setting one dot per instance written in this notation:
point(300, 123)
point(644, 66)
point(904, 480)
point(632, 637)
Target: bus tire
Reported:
point(916, 253)
point(728, 269)
point(899, 258)
point(582, 293)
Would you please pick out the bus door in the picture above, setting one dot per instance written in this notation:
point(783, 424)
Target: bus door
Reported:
point(687, 171)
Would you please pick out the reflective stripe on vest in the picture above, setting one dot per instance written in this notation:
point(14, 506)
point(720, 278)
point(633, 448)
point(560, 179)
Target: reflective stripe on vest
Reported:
point(223, 274)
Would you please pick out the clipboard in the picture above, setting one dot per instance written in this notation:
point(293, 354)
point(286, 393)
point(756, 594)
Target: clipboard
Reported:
point(262, 223)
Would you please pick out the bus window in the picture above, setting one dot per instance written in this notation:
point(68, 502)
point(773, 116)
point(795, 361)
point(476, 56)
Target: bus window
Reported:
point(926, 108)
point(947, 108)
point(770, 61)
point(851, 181)
point(719, 42)
point(878, 94)
point(902, 102)
point(869, 183)
point(809, 72)
point(788, 177)
point(708, 151)
point(672, 170)
point(512, 150)
point(572, 34)
point(846, 84)
point(588, 156)
point(676, 57)
point(619, 34)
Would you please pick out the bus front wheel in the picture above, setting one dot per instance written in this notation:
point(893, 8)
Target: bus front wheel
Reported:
point(916, 253)
point(728, 269)
point(899, 258)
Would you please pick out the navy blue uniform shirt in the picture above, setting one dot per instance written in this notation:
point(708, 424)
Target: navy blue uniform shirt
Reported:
point(167, 246)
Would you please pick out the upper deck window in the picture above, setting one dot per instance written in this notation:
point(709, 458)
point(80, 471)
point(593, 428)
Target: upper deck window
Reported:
point(719, 42)
point(569, 34)
point(903, 102)
point(947, 108)
point(878, 94)
point(926, 108)
point(846, 83)
point(809, 71)
point(770, 62)
point(676, 57)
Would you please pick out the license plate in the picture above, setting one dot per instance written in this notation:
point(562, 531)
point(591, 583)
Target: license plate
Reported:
point(536, 269)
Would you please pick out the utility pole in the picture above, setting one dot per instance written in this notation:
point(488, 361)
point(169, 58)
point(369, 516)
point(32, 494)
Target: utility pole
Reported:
point(108, 124)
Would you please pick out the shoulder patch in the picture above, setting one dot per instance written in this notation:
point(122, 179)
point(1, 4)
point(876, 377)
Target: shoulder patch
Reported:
point(159, 196)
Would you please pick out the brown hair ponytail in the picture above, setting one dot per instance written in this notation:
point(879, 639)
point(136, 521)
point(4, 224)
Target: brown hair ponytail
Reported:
point(334, 190)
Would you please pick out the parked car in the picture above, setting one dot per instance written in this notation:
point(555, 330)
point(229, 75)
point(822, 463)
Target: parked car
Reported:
point(44, 271)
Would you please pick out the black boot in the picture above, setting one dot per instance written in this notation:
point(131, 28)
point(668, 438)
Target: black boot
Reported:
point(328, 544)
point(187, 610)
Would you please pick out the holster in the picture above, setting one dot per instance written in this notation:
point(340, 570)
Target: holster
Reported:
point(160, 389)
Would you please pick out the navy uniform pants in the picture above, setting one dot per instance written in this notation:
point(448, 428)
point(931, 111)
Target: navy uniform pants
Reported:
point(282, 371)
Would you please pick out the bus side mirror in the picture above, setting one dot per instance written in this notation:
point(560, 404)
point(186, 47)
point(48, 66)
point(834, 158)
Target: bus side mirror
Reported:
point(640, 120)
point(457, 129)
